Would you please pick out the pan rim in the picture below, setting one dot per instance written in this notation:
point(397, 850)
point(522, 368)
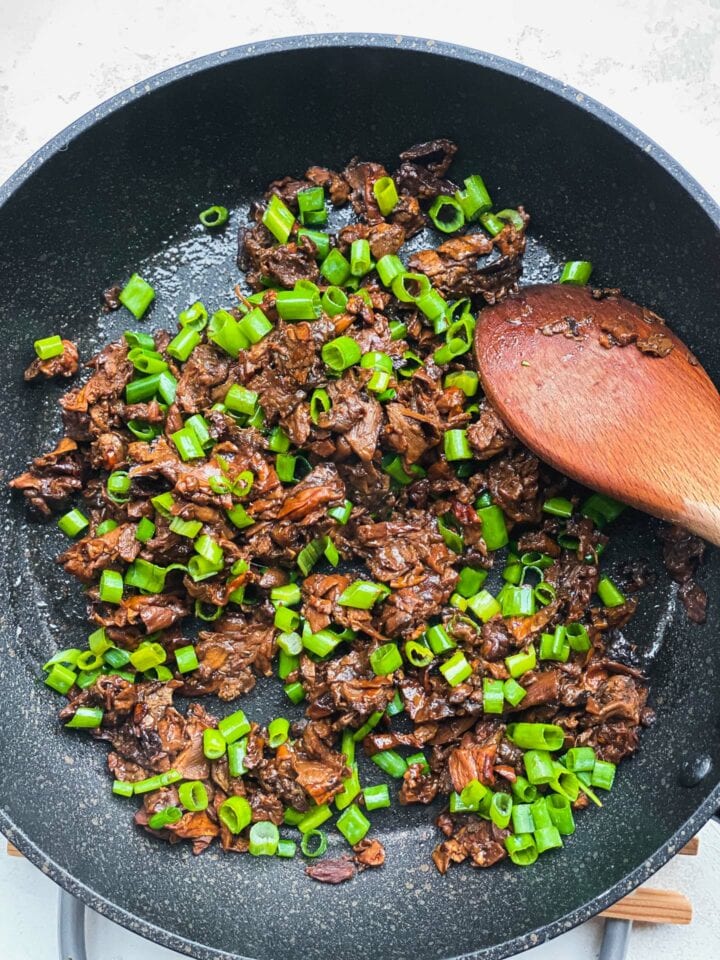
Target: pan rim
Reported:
point(571, 94)
point(702, 198)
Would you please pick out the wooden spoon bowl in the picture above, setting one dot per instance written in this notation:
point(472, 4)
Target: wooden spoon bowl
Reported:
point(601, 389)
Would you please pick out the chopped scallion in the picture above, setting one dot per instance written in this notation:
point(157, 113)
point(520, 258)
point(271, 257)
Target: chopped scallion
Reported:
point(386, 195)
point(278, 219)
point(49, 347)
point(341, 353)
point(446, 214)
point(576, 271)
point(136, 295)
point(73, 523)
point(215, 216)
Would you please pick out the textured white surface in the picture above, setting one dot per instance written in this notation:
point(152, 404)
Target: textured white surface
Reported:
point(656, 62)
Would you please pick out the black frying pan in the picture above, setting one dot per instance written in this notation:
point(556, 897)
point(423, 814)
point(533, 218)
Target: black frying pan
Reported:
point(119, 191)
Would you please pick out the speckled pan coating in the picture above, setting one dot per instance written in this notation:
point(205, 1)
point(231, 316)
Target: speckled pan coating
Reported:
point(118, 191)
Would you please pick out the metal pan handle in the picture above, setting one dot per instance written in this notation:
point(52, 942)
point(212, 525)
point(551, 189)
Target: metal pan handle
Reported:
point(71, 928)
point(616, 939)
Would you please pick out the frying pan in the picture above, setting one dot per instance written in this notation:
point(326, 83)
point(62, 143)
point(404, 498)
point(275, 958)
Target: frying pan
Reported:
point(119, 191)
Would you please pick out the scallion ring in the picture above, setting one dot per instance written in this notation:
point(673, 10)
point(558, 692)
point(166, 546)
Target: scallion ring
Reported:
point(215, 216)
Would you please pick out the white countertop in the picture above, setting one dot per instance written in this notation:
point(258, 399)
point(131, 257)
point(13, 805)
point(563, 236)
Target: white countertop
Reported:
point(656, 62)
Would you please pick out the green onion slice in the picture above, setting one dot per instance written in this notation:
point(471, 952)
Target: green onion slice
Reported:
point(73, 523)
point(195, 317)
point(278, 731)
point(313, 843)
point(235, 813)
point(408, 287)
point(386, 195)
point(136, 295)
point(164, 818)
point(341, 353)
point(334, 301)
point(264, 838)
point(363, 594)
point(536, 736)
point(474, 199)
point(86, 718)
point(391, 762)
point(335, 268)
point(446, 214)
point(278, 219)
point(417, 654)
point(193, 795)
point(215, 216)
point(576, 271)
point(49, 347)
point(456, 669)
point(385, 659)
point(353, 824)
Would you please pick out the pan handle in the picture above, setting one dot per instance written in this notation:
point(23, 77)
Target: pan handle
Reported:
point(71, 932)
point(71, 927)
point(616, 939)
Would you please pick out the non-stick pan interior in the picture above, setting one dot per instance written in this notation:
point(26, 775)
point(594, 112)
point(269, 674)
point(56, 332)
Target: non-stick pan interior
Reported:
point(123, 195)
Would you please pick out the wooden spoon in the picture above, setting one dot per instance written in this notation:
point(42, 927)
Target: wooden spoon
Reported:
point(639, 427)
